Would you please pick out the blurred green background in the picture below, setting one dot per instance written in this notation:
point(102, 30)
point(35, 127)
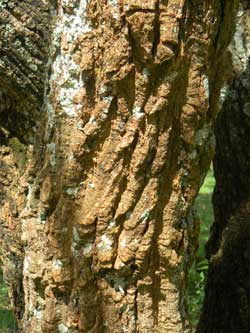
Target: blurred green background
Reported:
point(7, 322)
point(198, 272)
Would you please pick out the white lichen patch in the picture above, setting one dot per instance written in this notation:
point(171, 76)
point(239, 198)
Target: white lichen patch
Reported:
point(66, 76)
point(71, 156)
point(240, 44)
point(62, 328)
point(57, 264)
point(144, 216)
point(137, 112)
point(114, 5)
point(121, 290)
point(30, 306)
point(107, 99)
point(74, 250)
point(120, 284)
point(202, 135)
point(123, 242)
point(206, 86)
point(41, 218)
point(92, 186)
point(79, 125)
point(72, 191)
point(3, 4)
point(26, 263)
point(223, 94)
point(111, 224)
point(106, 242)
point(50, 117)
point(28, 198)
point(103, 89)
point(52, 149)
point(92, 121)
point(76, 234)
point(193, 154)
point(38, 314)
point(87, 248)
point(145, 72)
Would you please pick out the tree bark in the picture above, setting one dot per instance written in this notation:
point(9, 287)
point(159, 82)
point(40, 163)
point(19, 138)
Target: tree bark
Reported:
point(117, 101)
point(227, 300)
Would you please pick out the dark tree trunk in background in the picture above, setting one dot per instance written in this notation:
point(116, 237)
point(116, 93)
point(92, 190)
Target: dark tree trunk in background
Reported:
point(227, 301)
point(106, 135)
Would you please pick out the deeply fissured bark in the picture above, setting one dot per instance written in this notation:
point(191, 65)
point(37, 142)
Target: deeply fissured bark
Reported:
point(100, 227)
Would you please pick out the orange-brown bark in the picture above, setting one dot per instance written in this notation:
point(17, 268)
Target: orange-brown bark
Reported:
point(106, 233)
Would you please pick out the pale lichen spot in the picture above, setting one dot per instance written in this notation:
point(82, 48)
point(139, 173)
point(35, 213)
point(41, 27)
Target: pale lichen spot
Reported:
point(144, 216)
point(87, 248)
point(138, 112)
point(42, 218)
point(62, 328)
point(223, 94)
point(128, 214)
point(145, 72)
point(111, 224)
point(206, 86)
point(113, 3)
point(193, 154)
point(92, 120)
point(79, 126)
point(28, 198)
point(26, 263)
point(73, 249)
point(38, 314)
point(123, 242)
point(72, 191)
point(202, 135)
point(52, 148)
point(71, 156)
point(107, 242)
point(121, 290)
point(76, 234)
point(57, 264)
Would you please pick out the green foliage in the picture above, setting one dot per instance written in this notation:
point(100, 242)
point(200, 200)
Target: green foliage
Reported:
point(7, 322)
point(198, 272)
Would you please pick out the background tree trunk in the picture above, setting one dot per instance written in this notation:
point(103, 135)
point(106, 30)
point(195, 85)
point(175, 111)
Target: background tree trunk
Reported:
point(227, 300)
point(116, 101)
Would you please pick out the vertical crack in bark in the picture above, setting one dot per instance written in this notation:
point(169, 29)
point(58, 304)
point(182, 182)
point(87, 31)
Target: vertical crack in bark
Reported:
point(156, 29)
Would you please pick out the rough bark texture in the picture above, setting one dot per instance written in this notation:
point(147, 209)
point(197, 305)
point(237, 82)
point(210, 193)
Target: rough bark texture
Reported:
point(227, 301)
point(114, 139)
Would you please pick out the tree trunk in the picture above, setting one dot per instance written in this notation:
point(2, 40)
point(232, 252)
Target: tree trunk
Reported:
point(227, 301)
point(106, 131)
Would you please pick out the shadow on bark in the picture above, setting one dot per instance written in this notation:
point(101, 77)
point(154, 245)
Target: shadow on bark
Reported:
point(227, 297)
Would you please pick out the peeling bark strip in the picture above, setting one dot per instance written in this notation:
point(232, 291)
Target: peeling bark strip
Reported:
point(100, 227)
point(227, 301)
